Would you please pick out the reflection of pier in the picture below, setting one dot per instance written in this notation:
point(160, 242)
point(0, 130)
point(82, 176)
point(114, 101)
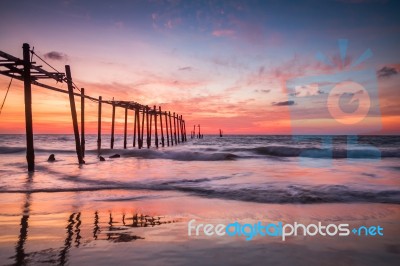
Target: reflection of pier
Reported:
point(107, 229)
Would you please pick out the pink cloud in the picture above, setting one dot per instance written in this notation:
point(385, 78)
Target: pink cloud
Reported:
point(223, 33)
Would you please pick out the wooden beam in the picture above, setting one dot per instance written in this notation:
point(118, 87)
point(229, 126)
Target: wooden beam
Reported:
point(73, 114)
point(134, 127)
point(176, 140)
point(155, 127)
point(30, 153)
point(161, 125)
point(170, 128)
point(166, 127)
point(112, 125)
point(83, 121)
point(126, 126)
point(99, 127)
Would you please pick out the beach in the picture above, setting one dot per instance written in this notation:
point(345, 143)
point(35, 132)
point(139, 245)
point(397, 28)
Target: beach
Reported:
point(136, 209)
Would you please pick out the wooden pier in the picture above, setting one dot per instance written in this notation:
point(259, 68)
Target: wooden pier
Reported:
point(29, 72)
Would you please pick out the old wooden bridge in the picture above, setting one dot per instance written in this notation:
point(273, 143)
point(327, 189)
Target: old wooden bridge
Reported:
point(171, 125)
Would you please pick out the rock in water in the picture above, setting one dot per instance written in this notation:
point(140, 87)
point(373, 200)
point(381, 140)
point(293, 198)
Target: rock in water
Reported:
point(115, 156)
point(52, 158)
point(101, 159)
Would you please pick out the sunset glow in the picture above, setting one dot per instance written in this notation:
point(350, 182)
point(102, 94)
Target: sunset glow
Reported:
point(222, 65)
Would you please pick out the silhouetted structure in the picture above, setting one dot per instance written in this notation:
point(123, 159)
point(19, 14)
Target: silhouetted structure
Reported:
point(27, 71)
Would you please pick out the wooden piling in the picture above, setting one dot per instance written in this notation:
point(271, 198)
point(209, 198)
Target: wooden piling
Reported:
point(30, 152)
point(199, 131)
point(134, 127)
point(170, 128)
point(142, 135)
point(112, 125)
point(177, 128)
point(166, 127)
point(99, 127)
point(181, 125)
point(176, 140)
point(125, 126)
point(194, 131)
point(184, 129)
point(83, 121)
point(161, 125)
point(148, 128)
point(73, 114)
point(155, 127)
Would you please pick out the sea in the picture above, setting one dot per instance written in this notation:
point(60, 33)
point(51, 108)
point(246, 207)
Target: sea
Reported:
point(136, 208)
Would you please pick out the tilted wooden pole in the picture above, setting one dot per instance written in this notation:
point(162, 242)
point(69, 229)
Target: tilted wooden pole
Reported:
point(112, 125)
point(182, 133)
point(73, 114)
point(83, 121)
point(161, 125)
point(99, 127)
point(30, 152)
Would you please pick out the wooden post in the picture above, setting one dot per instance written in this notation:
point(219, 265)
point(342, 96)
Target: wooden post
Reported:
point(181, 125)
point(142, 135)
point(166, 127)
point(176, 140)
point(148, 129)
point(161, 125)
point(83, 121)
point(194, 131)
point(177, 128)
point(112, 125)
point(199, 131)
point(73, 114)
point(184, 129)
point(126, 126)
point(155, 127)
point(30, 152)
point(170, 129)
point(99, 127)
point(134, 127)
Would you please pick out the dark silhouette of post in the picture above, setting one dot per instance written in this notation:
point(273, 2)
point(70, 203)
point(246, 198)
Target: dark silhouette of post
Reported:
point(166, 127)
point(194, 131)
point(142, 135)
point(181, 125)
point(125, 126)
point(134, 127)
point(178, 128)
point(155, 127)
point(176, 140)
point(83, 121)
point(170, 128)
point(148, 127)
point(112, 125)
point(199, 131)
point(99, 127)
point(30, 152)
point(161, 125)
point(73, 114)
point(184, 129)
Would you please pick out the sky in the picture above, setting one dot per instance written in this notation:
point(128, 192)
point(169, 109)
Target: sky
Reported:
point(246, 67)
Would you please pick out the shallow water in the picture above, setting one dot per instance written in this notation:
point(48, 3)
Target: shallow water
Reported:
point(50, 216)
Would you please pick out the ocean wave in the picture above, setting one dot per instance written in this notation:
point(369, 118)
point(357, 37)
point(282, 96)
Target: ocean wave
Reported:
point(8, 150)
point(287, 151)
point(262, 193)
